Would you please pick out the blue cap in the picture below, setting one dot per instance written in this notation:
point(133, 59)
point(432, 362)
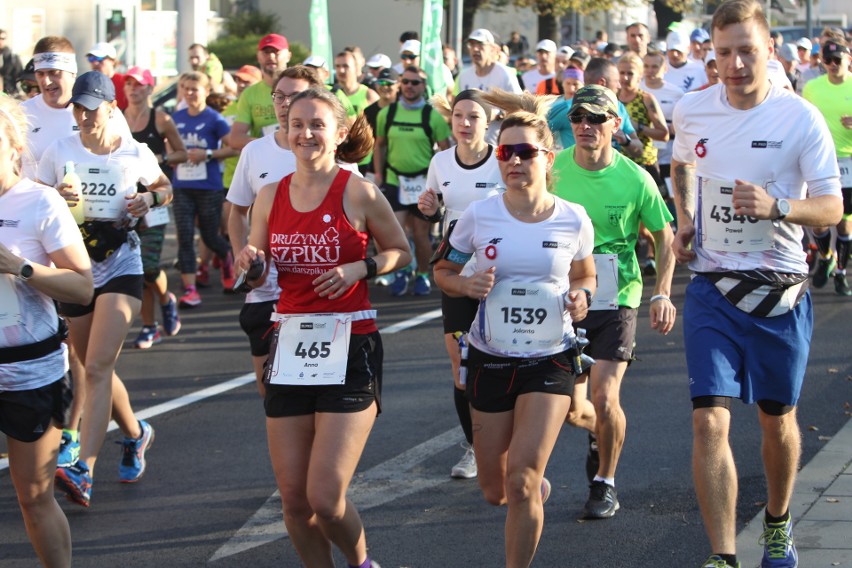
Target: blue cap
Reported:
point(91, 89)
point(700, 35)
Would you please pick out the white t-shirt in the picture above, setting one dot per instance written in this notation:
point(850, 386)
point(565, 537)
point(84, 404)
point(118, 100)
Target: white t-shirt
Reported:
point(524, 252)
point(500, 77)
point(34, 222)
point(687, 77)
point(668, 95)
point(533, 77)
point(132, 162)
point(48, 124)
point(754, 145)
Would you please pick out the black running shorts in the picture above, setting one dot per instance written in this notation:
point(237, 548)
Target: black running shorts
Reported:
point(27, 415)
point(255, 322)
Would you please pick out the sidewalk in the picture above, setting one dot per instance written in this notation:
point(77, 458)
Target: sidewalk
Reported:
point(821, 508)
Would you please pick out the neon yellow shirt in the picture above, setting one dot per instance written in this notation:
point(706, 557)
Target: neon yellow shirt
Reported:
point(834, 102)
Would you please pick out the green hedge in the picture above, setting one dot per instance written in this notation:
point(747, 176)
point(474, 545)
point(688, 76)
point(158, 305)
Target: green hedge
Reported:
point(234, 52)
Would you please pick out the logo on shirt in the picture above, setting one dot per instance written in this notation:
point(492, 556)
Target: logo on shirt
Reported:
point(263, 175)
point(776, 145)
point(700, 148)
point(36, 129)
point(9, 223)
point(200, 126)
point(446, 183)
point(491, 249)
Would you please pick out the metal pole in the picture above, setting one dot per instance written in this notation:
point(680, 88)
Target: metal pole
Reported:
point(456, 15)
point(809, 18)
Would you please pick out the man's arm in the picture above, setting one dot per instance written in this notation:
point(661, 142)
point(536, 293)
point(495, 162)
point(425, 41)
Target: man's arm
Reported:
point(662, 311)
point(380, 150)
point(683, 188)
point(239, 136)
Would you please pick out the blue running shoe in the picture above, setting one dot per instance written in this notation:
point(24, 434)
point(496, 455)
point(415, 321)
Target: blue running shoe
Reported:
point(171, 321)
point(75, 482)
point(148, 337)
point(422, 286)
point(399, 286)
point(69, 451)
point(778, 548)
point(132, 464)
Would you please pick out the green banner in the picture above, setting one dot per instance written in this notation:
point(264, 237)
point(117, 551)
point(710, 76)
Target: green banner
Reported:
point(431, 50)
point(320, 34)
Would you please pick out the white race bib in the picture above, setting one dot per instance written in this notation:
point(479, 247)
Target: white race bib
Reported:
point(312, 349)
point(606, 294)
point(188, 171)
point(103, 188)
point(722, 229)
point(410, 189)
point(659, 144)
point(522, 319)
point(269, 129)
point(10, 309)
point(157, 216)
point(845, 165)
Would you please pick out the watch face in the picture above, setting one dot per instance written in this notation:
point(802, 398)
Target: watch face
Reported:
point(784, 207)
point(26, 271)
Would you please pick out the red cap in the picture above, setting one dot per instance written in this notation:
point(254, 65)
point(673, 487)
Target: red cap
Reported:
point(279, 42)
point(249, 74)
point(142, 75)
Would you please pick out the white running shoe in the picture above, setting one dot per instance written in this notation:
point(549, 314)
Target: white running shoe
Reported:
point(466, 468)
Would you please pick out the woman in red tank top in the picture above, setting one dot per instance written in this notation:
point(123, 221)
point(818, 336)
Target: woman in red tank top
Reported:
point(315, 225)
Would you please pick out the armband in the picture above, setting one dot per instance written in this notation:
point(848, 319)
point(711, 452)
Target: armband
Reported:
point(437, 216)
point(155, 199)
point(447, 252)
point(659, 297)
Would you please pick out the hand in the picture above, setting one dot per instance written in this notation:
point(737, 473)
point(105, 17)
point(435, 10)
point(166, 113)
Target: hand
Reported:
point(682, 242)
point(196, 155)
point(428, 202)
point(479, 284)
point(335, 282)
point(752, 200)
point(137, 204)
point(663, 314)
point(247, 255)
point(575, 303)
point(10, 263)
point(70, 197)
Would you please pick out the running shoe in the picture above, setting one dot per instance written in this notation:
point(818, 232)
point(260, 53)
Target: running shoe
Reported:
point(190, 298)
point(148, 337)
point(75, 482)
point(466, 468)
point(593, 458)
point(399, 286)
point(545, 490)
point(422, 286)
point(384, 280)
point(825, 266)
point(132, 464)
point(841, 285)
point(778, 548)
point(650, 268)
point(603, 501)
point(69, 451)
point(226, 273)
point(202, 276)
point(716, 561)
point(171, 321)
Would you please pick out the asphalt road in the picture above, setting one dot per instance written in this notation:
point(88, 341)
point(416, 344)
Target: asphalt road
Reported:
point(208, 495)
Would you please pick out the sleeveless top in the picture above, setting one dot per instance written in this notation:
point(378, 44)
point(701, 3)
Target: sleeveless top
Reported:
point(155, 141)
point(304, 245)
point(637, 111)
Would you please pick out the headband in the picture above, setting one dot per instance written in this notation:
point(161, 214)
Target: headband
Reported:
point(571, 73)
point(62, 61)
point(474, 95)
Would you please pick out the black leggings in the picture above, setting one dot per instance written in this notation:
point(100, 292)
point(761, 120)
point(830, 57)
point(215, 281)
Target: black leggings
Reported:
point(206, 204)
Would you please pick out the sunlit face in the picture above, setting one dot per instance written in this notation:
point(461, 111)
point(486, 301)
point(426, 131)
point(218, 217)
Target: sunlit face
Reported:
point(706, 48)
point(571, 85)
point(408, 58)
point(594, 137)
point(89, 121)
point(197, 58)
point(837, 66)
point(742, 51)
point(136, 92)
point(272, 61)
point(676, 57)
point(655, 67)
point(194, 93)
point(712, 71)
point(105, 65)
point(344, 65)
point(412, 86)
point(55, 86)
point(469, 122)
point(450, 59)
point(522, 174)
point(629, 75)
point(544, 57)
point(481, 54)
point(388, 90)
point(285, 90)
point(638, 39)
point(312, 130)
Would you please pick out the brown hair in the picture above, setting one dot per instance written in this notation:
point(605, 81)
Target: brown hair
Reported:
point(218, 101)
point(197, 76)
point(737, 12)
point(302, 72)
point(359, 141)
point(57, 44)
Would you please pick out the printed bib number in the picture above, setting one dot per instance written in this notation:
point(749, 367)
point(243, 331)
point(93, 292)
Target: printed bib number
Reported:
point(410, 189)
point(845, 165)
point(523, 319)
point(269, 129)
point(312, 349)
point(10, 309)
point(606, 295)
point(722, 229)
point(157, 217)
point(103, 190)
point(188, 171)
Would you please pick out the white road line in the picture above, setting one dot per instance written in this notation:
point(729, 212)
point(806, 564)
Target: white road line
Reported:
point(409, 323)
point(386, 482)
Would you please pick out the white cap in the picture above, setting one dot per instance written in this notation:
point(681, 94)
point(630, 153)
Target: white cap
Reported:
point(677, 41)
point(775, 73)
point(316, 61)
point(103, 49)
point(412, 46)
point(805, 43)
point(546, 45)
point(379, 60)
point(481, 35)
point(566, 50)
point(711, 56)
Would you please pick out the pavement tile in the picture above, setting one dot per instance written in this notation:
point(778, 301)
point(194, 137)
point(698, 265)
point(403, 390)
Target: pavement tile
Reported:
point(824, 535)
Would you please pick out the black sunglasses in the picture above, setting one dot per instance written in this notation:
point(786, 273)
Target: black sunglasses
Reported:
point(591, 118)
point(408, 56)
point(524, 151)
point(414, 82)
point(832, 60)
point(29, 88)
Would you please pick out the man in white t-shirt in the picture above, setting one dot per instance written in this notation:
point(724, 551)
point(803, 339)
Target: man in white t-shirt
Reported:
point(747, 182)
point(667, 95)
point(545, 53)
point(486, 73)
point(685, 74)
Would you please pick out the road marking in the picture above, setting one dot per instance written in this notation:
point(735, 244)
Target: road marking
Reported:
point(409, 323)
point(378, 485)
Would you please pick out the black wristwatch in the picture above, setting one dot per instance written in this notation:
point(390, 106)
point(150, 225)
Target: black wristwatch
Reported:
point(372, 269)
point(209, 155)
point(26, 270)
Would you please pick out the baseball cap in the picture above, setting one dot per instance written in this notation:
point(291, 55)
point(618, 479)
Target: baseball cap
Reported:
point(379, 60)
point(316, 61)
point(788, 53)
point(28, 73)
point(700, 35)
point(711, 56)
point(249, 74)
point(546, 45)
point(804, 43)
point(596, 99)
point(276, 41)
point(388, 74)
point(143, 76)
point(411, 46)
point(481, 35)
point(581, 56)
point(91, 89)
point(677, 41)
point(566, 50)
point(103, 49)
point(833, 49)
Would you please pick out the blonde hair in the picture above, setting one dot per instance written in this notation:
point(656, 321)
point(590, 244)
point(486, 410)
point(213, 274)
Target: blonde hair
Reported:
point(525, 110)
point(13, 122)
point(633, 59)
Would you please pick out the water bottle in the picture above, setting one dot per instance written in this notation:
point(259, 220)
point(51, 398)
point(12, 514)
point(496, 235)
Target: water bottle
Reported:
point(72, 179)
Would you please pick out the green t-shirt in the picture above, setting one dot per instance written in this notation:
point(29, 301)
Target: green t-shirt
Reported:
point(255, 109)
point(616, 199)
point(230, 164)
point(833, 101)
point(409, 150)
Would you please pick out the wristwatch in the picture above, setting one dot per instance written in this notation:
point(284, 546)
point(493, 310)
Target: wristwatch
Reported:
point(26, 270)
point(783, 207)
point(209, 155)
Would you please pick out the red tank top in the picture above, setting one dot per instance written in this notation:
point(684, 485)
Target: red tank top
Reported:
point(305, 245)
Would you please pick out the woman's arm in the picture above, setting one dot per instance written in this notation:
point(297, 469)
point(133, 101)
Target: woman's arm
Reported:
point(70, 280)
point(167, 129)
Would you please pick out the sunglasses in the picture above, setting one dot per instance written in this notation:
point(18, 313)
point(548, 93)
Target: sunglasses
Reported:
point(833, 60)
point(95, 59)
point(415, 82)
point(408, 56)
point(384, 83)
point(27, 89)
point(590, 118)
point(524, 151)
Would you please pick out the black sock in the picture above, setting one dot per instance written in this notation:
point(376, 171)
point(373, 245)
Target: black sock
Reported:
point(770, 520)
point(730, 559)
point(842, 252)
point(823, 243)
point(463, 411)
